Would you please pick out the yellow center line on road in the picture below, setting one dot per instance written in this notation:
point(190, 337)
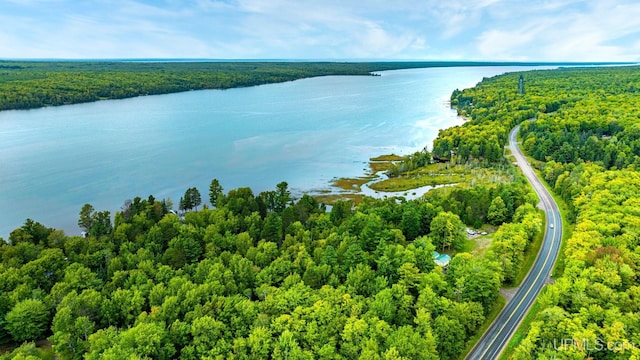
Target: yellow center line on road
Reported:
point(553, 238)
point(550, 215)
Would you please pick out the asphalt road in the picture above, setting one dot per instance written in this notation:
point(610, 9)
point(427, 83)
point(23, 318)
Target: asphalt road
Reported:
point(503, 327)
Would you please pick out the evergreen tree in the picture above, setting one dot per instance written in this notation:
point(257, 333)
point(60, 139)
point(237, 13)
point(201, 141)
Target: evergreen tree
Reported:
point(191, 199)
point(411, 222)
point(272, 230)
point(215, 192)
point(282, 196)
point(86, 217)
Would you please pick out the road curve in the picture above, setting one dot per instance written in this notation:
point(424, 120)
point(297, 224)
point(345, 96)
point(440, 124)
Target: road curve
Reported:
point(503, 327)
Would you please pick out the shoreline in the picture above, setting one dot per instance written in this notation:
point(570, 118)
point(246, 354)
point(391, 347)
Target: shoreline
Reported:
point(48, 81)
point(115, 202)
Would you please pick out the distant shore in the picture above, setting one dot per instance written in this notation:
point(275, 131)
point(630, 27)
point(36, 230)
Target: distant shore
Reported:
point(41, 83)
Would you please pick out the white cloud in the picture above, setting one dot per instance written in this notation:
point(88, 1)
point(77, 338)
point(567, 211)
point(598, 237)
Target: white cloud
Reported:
point(83, 35)
point(429, 29)
point(213, 5)
point(498, 44)
point(319, 30)
point(374, 41)
point(578, 33)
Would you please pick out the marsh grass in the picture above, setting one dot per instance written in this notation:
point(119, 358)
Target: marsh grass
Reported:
point(378, 166)
point(388, 157)
point(444, 174)
point(331, 199)
point(351, 184)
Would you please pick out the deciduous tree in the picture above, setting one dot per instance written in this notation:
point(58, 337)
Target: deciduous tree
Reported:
point(28, 320)
point(447, 231)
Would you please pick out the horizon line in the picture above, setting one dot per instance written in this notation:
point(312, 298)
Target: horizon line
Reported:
point(336, 60)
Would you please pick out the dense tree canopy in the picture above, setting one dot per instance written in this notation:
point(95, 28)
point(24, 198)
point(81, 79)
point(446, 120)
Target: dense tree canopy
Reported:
point(269, 276)
point(585, 133)
point(255, 277)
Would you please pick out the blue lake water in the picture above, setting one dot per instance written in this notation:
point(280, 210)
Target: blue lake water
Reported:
point(306, 132)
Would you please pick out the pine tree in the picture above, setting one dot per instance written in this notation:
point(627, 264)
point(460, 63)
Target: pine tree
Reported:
point(215, 192)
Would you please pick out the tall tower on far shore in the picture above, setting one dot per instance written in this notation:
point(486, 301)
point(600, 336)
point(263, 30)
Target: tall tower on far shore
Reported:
point(521, 85)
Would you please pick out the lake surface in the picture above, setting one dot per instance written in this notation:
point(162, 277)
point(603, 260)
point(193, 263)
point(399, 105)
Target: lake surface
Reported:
point(306, 132)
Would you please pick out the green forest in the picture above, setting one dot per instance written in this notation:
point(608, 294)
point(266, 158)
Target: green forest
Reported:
point(262, 276)
point(238, 275)
point(34, 84)
point(584, 138)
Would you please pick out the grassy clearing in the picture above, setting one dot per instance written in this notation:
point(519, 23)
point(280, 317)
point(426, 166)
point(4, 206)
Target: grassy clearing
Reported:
point(389, 157)
point(469, 246)
point(477, 245)
point(493, 313)
point(482, 244)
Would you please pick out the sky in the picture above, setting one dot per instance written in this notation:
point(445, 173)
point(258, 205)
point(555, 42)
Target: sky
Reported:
point(491, 30)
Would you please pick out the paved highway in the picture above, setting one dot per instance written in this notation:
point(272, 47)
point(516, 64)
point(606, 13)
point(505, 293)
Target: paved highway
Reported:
point(503, 327)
